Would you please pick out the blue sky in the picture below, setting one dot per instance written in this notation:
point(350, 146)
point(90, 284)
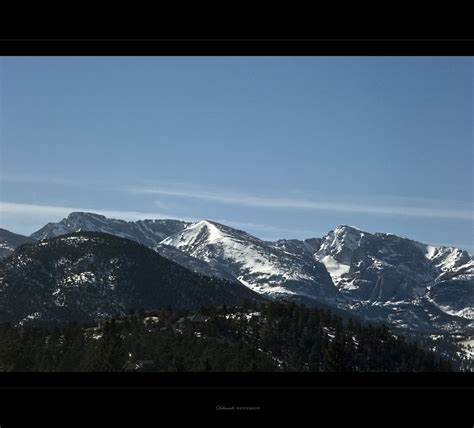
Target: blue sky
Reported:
point(278, 146)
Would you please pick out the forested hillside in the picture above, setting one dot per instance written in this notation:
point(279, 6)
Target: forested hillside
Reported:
point(273, 336)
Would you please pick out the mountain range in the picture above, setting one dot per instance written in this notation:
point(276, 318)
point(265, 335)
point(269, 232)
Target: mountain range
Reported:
point(375, 276)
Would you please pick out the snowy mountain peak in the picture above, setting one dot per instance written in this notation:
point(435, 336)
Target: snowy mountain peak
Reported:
point(201, 231)
point(340, 244)
point(348, 234)
point(347, 228)
point(260, 265)
point(80, 215)
point(450, 260)
point(213, 229)
point(206, 232)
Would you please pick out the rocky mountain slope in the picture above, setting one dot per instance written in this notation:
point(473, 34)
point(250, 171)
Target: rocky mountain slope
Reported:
point(412, 285)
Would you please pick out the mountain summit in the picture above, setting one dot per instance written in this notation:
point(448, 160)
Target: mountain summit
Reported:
point(146, 232)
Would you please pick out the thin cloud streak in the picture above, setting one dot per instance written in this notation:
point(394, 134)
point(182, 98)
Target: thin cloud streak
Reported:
point(265, 202)
point(268, 202)
point(25, 178)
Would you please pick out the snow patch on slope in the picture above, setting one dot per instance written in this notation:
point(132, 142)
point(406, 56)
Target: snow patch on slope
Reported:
point(335, 269)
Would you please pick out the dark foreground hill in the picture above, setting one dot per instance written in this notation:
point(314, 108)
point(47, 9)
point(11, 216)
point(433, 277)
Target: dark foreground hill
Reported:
point(86, 276)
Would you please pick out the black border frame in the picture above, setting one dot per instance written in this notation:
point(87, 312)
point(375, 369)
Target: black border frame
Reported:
point(241, 380)
point(260, 47)
point(274, 391)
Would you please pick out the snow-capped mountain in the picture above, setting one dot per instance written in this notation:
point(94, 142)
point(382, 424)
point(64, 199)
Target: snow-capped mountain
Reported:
point(146, 232)
point(262, 266)
point(87, 275)
point(408, 283)
point(375, 266)
point(9, 241)
point(378, 276)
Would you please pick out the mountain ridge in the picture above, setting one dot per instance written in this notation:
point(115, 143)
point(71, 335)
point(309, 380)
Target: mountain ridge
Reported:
point(147, 232)
point(374, 275)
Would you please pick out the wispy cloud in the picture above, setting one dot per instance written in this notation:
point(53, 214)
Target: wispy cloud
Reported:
point(411, 207)
point(31, 179)
point(309, 204)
